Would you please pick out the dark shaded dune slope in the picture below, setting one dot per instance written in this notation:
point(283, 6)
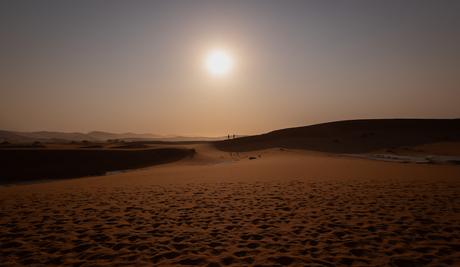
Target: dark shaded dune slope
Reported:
point(29, 164)
point(354, 136)
point(130, 146)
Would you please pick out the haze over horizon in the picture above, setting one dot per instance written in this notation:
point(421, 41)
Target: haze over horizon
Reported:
point(140, 66)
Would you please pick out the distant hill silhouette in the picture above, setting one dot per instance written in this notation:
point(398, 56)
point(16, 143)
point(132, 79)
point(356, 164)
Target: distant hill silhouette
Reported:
point(352, 136)
point(105, 136)
point(94, 136)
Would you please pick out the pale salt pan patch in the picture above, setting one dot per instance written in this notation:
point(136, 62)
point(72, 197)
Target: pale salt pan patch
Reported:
point(420, 159)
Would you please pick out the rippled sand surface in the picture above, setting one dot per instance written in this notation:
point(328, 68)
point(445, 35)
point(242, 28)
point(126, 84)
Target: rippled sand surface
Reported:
point(291, 223)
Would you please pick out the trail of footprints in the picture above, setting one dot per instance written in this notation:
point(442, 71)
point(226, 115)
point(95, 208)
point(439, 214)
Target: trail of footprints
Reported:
point(236, 224)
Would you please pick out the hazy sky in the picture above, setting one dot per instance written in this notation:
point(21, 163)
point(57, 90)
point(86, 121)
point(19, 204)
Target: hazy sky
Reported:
point(139, 66)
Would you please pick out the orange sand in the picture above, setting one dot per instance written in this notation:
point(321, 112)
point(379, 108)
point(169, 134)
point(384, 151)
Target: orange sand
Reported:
point(285, 208)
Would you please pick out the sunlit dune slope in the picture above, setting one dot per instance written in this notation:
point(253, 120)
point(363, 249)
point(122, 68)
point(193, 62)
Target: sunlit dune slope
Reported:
point(29, 164)
point(354, 136)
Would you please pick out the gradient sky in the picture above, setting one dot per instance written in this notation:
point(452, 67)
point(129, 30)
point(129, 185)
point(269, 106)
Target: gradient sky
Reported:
point(139, 66)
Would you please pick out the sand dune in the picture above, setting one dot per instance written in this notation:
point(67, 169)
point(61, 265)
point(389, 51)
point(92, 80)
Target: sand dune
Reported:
point(35, 164)
point(357, 136)
point(268, 207)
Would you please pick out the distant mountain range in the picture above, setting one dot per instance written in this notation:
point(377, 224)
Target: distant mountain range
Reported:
point(95, 136)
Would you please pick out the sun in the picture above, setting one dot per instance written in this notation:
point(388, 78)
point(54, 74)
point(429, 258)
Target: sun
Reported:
point(219, 62)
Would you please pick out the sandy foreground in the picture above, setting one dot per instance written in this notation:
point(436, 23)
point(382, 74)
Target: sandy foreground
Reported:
point(283, 208)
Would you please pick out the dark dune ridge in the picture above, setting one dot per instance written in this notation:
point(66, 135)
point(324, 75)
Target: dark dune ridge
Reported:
point(92, 146)
point(29, 165)
point(131, 146)
point(353, 136)
point(22, 146)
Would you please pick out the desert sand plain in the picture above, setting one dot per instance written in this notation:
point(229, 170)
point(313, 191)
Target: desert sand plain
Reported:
point(266, 200)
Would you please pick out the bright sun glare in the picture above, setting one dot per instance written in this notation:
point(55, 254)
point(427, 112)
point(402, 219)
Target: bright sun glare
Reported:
point(219, 62)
